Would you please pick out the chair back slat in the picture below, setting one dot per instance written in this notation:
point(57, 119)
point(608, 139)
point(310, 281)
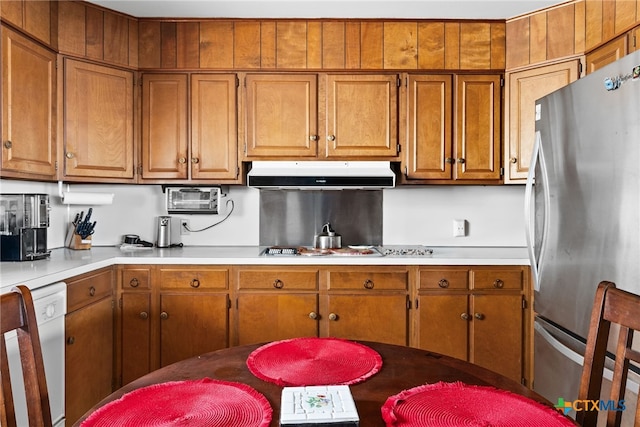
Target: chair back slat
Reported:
point(17, 314)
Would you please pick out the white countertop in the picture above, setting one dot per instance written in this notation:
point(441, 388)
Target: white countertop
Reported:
point(65, 263)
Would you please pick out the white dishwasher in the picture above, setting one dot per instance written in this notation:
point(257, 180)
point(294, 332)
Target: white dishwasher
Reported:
point(51, 306)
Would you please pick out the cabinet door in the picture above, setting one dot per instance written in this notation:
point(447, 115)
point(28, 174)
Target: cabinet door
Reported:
point(606, 54)
point(98, 122)
point(429, 154)
point(496, 334)
point(281, 115)
point(270, 317)
point(192, 324)
point(136, 335)
point(214, 128)
point(633, 42)
point(361, 116)
point(525, 87)
point(444, 324)
point(382, 318)
point(164, 126)
point(28, 108)
point(88, 358)
point(477, 137)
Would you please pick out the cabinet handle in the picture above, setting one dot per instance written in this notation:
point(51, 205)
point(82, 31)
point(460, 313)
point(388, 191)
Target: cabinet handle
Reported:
point(313, 137)
point(195, 160)
point(479, 316)
point(450, 160)
point(134, 283)
point(460, 160)
point(513, 160)
point(331, 138)
point(92, 291)
point(278, 284)
point(164, 315)
point(443, 283)
point(8, 144)
point(313, 315)
point(195, 283)
point(498, 283)
point(69, 155)
point(144, 315)
point(71, 340)
point(182, 160)
point(333, 316)
point(465, 316)
point(368, 284)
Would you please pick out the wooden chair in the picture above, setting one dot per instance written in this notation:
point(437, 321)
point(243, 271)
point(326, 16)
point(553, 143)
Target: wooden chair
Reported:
point(17, 313)
point(619, 307)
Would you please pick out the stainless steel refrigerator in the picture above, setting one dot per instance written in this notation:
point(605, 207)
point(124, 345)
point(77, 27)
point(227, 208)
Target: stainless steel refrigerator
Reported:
point(583, 215)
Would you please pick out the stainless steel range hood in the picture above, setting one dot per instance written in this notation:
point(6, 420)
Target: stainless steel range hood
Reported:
point(321, 175)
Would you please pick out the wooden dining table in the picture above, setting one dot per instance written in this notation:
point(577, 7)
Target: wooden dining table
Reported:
point(403, 368)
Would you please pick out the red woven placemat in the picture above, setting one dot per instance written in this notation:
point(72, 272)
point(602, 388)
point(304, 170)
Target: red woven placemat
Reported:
point(314, 361)
point(204, 402)
point(458, 404)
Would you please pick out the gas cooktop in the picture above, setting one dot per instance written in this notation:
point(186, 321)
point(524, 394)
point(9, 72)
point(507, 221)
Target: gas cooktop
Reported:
point(352, 250)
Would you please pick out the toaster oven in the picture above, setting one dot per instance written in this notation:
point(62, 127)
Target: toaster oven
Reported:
point(192, 200)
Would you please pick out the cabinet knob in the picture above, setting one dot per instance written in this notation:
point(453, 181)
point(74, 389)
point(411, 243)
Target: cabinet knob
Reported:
point(182, 160)
point(278, 284)
point(313, 137)
point(443, 283)
point(164, 315)
point(71, 340)
point(513, 160)
point(134, 283)
point(8, 144)
point(69, 155)
point(333, 316)
point(368, 284)
point(195, 160)
point(460, 160)
point(92, 291)
point(144, 315)
point(450, 160)
point(498, 283)
point(479, 316)
point(331, 138)
point(313, 315)
point(465, 316)
point(195, 283)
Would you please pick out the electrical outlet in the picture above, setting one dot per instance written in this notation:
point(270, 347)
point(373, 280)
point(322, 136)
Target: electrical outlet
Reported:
point(184, 226)
point(459, 228)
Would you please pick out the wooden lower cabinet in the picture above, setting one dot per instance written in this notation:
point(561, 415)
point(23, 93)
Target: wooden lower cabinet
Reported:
point(170, 313)
point(89, 334)
point(479, 314)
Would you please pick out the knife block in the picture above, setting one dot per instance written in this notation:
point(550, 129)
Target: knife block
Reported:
point(74, 241)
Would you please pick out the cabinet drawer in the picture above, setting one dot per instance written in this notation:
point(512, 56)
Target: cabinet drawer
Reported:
point(186, 278)
point(89, 289)
point(263, 280)
point(359, 281)
point(136, 278)
point(444, 279)
point(496, 279)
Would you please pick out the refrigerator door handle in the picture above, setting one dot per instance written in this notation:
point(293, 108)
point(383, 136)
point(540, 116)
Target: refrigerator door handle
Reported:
point(528, 199)
point(561, 348)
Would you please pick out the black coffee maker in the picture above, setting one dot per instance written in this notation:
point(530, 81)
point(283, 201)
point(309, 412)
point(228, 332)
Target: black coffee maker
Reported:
point(24, 220)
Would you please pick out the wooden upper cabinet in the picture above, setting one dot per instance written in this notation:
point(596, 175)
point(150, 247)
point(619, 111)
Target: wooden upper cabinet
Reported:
point(361, 115)
point(524, 88)
point(606, 54)
point(281, 115)
point(28, 108)
point(478, 108)
point(32, 17)
point(164, 126)
point(429, 132)
point(98, 122)
point(214, 127)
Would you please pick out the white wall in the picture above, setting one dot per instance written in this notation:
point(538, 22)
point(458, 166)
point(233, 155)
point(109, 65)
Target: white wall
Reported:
point(411, 215)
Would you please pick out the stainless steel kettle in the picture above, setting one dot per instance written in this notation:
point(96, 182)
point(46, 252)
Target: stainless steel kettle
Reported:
point(327, 238)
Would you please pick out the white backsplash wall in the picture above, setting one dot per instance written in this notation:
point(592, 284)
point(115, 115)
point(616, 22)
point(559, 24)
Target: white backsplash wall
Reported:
point(411, 215)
